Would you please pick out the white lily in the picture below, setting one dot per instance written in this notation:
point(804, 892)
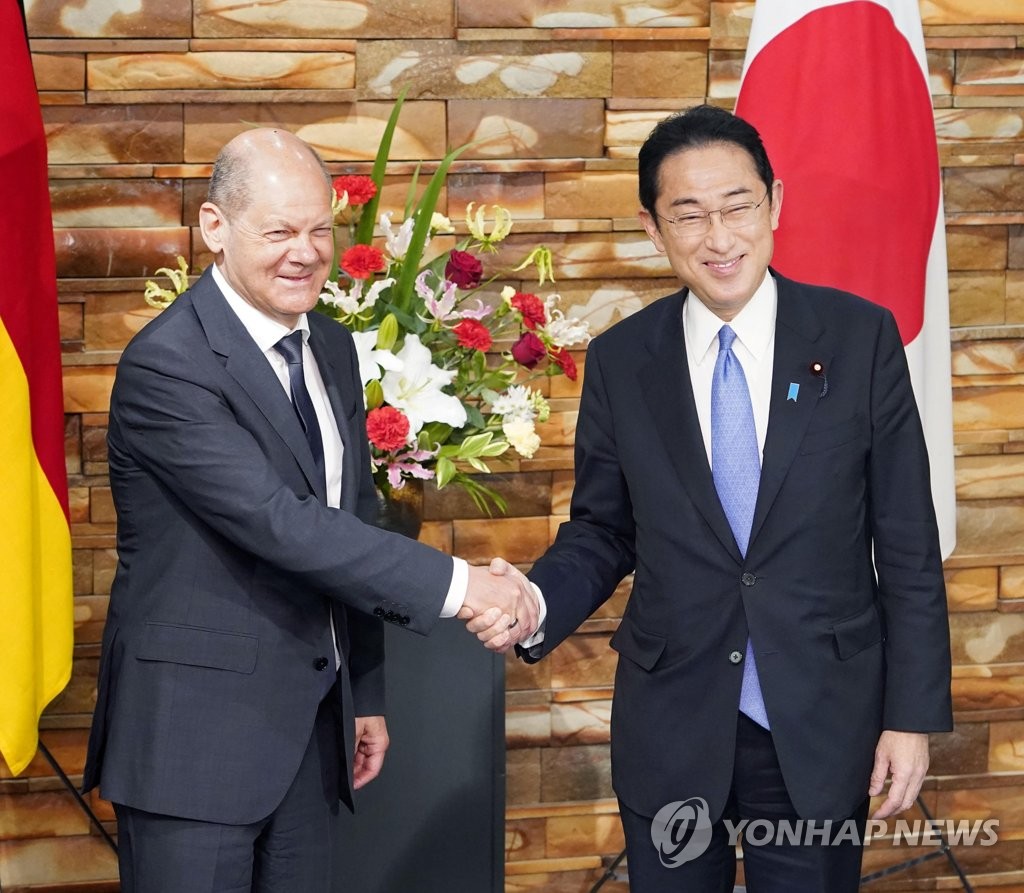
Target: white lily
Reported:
point(477, 225)
point(564, 331)
point(416, 388)
point(162, 298)
point(353, 302)
point(372, 360)
point(338, 202)
point(440, 224)
point(440, 302)
point(397, 241)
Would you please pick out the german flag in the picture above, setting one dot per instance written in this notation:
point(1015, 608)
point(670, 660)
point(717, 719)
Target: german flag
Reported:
point(36, 628)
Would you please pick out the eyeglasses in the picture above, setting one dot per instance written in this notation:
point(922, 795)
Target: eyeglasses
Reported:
point(696, 223)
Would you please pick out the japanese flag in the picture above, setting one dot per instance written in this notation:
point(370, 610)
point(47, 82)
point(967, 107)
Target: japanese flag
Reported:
point(839, 93)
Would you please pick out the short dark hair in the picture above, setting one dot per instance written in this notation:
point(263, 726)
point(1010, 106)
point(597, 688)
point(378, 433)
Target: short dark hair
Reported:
point(701, 126)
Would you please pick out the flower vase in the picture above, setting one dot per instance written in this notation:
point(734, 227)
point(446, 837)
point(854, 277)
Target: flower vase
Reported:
point(401, 510)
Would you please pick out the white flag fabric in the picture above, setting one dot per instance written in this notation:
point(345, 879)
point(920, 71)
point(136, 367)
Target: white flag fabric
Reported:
point(839, 93)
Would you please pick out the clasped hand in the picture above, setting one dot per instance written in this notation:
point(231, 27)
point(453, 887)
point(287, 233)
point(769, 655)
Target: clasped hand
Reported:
point(501, 607)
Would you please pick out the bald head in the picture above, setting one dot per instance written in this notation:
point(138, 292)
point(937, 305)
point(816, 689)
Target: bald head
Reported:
point(254, 154)
point(269, 222)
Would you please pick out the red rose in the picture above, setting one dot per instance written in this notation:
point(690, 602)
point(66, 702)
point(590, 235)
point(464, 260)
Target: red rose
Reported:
point(463, 269)
point(532, 309)
point(529, 350)
point(387, 428)
point(565, 362)
point(474, 334)
point(362, 261)
point(360, 188)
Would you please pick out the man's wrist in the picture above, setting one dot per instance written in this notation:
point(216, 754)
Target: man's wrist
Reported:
point(542, 614)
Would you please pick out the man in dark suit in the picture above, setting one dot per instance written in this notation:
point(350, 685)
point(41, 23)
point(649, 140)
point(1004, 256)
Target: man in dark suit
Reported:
point(241, 689)
point(750, 447)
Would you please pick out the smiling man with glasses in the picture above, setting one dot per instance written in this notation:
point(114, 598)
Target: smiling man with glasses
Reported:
point(696, 223)
point(749, 447)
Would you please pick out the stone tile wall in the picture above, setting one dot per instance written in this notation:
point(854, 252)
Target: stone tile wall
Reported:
point(137, 98)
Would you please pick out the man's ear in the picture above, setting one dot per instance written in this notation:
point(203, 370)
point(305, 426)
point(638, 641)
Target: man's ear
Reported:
point(212, 225)
point(776, 207)
point(651, 226)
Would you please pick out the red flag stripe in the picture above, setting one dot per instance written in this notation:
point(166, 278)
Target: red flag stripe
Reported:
point(28, 302)
point(839, 91)
point(861, 166)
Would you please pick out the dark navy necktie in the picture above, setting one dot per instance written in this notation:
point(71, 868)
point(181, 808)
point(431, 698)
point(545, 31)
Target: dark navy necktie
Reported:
point(290, 347)
point(736, 469)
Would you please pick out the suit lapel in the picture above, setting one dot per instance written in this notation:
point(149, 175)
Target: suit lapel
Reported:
point(665, 384)
point(245, 362)
point(342, 393)
point(798, 345)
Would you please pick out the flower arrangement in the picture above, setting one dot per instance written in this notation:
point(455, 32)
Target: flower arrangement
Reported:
point(440, 399)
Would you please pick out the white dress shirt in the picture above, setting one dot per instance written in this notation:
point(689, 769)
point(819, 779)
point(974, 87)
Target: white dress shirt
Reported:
point(754, 347)
point(266, 332)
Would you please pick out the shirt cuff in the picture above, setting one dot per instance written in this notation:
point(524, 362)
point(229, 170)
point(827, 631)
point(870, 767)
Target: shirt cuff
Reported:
point(538, 636)
point(456, 589)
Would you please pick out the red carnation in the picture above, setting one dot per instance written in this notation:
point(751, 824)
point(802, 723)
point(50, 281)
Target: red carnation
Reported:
point(463, 269)
point(362, 261)
point(532, 309)
point(360, 188)
point(473, 334)
point(565, 362)
point(529, 350)
point(387, 428)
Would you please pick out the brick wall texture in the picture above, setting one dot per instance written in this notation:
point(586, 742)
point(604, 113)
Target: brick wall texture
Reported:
point(137, 97)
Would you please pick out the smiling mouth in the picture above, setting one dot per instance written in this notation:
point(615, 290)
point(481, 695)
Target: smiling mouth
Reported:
point(724, 266)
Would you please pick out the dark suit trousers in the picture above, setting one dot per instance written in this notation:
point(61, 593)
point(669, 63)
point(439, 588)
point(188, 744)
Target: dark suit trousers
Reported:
point(758, 792)
point(291, 849)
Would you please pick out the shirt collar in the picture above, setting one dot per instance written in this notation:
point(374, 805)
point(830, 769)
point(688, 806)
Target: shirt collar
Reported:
point(754, 325)
point(266, 332)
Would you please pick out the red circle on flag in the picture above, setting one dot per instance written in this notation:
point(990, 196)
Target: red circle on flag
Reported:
point(845, 114)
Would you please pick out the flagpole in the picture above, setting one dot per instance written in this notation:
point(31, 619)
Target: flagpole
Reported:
point(52, 760)
point(943, 850)
point(610, 873)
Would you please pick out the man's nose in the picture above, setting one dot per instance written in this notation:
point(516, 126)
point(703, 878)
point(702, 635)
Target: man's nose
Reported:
point(718, 234)
point(303, 250)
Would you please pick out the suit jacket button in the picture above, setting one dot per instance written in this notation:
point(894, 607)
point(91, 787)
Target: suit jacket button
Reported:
point(735, 657)
point(378, 611)
point(320, 664)
point(404, 621)
point(748, 579)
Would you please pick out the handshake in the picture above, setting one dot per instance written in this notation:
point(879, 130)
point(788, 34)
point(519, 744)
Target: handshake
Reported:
point(501, 606)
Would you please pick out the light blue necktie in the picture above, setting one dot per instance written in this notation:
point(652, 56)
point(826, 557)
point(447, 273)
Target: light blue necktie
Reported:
point(736, 468)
